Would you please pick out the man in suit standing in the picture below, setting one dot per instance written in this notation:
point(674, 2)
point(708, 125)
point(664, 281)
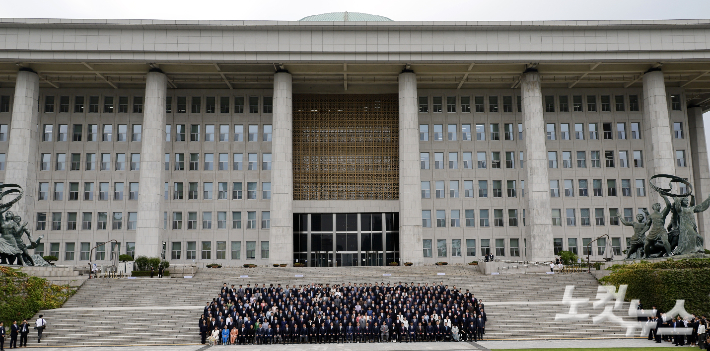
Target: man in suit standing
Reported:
point(14, 330)
point(24, 331)
point(2, 337)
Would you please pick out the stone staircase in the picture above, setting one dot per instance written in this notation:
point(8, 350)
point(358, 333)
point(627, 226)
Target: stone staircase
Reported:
point(166, 311)
point(60, 275)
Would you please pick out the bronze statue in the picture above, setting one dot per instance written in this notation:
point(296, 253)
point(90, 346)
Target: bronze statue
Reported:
point(689, 241)
point(657, 233)
point(12, 249)
point(639, 237)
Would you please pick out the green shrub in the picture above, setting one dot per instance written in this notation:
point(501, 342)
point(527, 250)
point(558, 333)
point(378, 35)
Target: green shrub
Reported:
point(125, 258)
point(660, 284)
point(50, 259)
point(165, 264)
point(147, 273)
point(21, 296)
point(142, 263)
point(568, 257)
point(153, 262)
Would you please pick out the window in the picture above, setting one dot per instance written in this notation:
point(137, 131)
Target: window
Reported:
point(71, 221)
point(221, 220)
point(424, 157)
point(132, 191)
point(564, 131)
point(607, 131)
point(436, 104)
point(441, 248)
point(451, 132)
point(251, 220)
point(251, 190)
point(265, 220)
point(564, 103)
point(566, 159)
point(423, 104)
point(251, 250)
point(680, 158)
point(675, 102)
point(252, 165)
point(616, 246)
point(497, 188)
point(195, 162)
point(468, 188)
point(492, 104)
point(426, 245)
point(236, 190)
point(440, 219)
point(609, 159)
point(107, 133)
point(58, 191)
point(466, 104)
point(238, 104)
point(483, 219)
point(223, 164)
point(621, 131)
point(236, 247)
point(237, 162)
point(438, 132)
point(470, 218)
point(500, 247)
point(520, 131)
point(478, 101)
point(597, 187)
point(265, 190)
point(135, 162)
point(495, 159)
point(482, 188)
point(120, 162)
point(551, 135)
point(552, 159)
point(191, 252)
point(584, 216)
point(626, 187)
point(593, 132)
point(513, 217)
point(89, 191)
point(223, 104)
point(581, 159)
point(481, 155)
point(591, 103)
point(207, 189)
point(266, 162)
point(623, 159)
point(47, 134)
point(613, 216)
point(206, 220)
point(264, 249)
point(579, 131)
point(495, 131)
point(569, 188)
point(577, 103)
point(224, 132)
point(549, 103)
point(633, 103)
point(640, 187)
point(522, 189)
point(467, 160)
point(485, 247)
point(423, 132)
point(426, 190)
point(556, 217)
point(180, 132)
point(438, 160)
point(522, 159)
point(118, 191)
point(678, 130)
point(122, 134)
point(480, 132)
point(73, 191)
point(571, 219)
point(206, 248)
point(557, 245)
point(195, 132)
point(599, 216)
point(628, 214)
point(596, 162)
point(554, 188)
point(236, 220)
point(69, 251)
point(209, 132)
point(511, 188)
point(176, 250)
point(192, 220)
point(209, 162)
point(451, 104)
point(583, 187)
point(85, 252)
point(606, 103)
point(635, 130)
point(426, 218)
point(571, 245)
point(453, 189)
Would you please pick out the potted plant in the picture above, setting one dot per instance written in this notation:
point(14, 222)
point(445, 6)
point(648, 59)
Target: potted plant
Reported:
point(394, 264)
point(408, 264)
point(442, 263)
point(473, 263)
point(214, 265)
point(283, 265)
point(50, 259)
point(276, 264)
point(299, 264)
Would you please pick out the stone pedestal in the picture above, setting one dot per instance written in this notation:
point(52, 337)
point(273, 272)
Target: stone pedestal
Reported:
point(539, 215)
point(150, 195)
point(22, 152)
point(701, 170)
point(281, 232)
point(410, 202)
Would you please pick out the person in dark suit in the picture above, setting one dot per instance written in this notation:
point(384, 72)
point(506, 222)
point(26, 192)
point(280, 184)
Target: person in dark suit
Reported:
point(24, 332)
point(349, 332)
point(203, 331)
point(480, 326)
point(160, 271)
point(14, 331)
point(430, 332)
point(2, 337)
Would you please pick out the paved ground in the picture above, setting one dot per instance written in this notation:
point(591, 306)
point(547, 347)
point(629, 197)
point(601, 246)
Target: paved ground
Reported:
point(483, 345)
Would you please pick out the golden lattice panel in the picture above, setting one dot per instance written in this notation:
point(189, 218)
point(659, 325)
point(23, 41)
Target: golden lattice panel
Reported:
point(345, 147)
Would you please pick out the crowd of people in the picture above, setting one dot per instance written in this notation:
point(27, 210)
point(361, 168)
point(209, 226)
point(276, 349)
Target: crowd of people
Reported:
point(694, 332)
point(318, 313)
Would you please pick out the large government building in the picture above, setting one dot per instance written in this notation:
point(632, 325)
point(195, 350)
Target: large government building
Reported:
point(347, 139)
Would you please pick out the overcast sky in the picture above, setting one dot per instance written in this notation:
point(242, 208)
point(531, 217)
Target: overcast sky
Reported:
point(411, 10)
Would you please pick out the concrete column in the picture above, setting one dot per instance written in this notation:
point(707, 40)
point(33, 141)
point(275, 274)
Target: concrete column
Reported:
point(539, 212)
point(657, 129)
point(701, 171)
point(150, 197)
point(410, 202)
point(281, 232)
point(22, 151)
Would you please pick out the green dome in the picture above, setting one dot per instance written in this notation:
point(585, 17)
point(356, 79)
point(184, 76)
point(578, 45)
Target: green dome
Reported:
point(346, 17)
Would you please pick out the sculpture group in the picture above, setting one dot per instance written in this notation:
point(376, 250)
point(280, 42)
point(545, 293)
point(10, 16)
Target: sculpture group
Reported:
point(13, 249)
point(681, 237)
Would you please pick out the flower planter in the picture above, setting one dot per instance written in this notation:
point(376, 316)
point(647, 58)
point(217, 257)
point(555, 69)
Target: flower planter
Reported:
point(283, 265)
point(442, 263)
point(394, 264)
point(475, 263)
point(299, 265)
point(408, 264)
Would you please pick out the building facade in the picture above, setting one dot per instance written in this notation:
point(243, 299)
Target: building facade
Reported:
point(334, 143)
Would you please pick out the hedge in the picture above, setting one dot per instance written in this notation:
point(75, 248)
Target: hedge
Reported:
point(660, 284)
point(21, 296)
point(147, 273)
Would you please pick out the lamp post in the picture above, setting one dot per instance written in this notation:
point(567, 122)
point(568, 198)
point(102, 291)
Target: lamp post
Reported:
point(589, 250)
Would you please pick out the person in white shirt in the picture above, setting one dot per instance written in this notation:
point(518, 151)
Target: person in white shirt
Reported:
point(40, 324)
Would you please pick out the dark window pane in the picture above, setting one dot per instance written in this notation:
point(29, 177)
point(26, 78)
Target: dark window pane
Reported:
point(377, 241)
point(376, 222)
point(315, 222)
point(340, 241)
point(326, 223)
point(340, 224)
point(365, 242)
point(315, 242)
point(352, 242)
point(365, 222)
point(352, 222)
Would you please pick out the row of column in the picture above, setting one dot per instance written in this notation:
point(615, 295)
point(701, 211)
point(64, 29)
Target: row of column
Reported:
point(22, 157)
